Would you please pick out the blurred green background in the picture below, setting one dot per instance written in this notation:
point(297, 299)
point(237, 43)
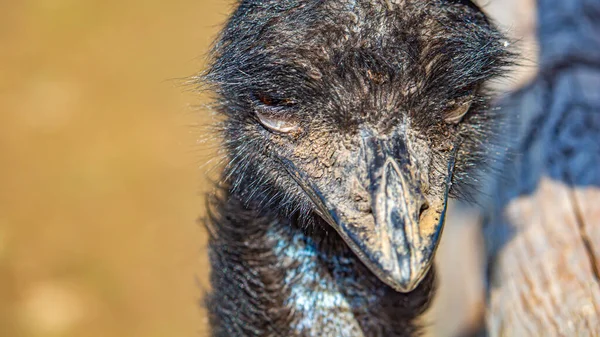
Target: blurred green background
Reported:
point(102, 174)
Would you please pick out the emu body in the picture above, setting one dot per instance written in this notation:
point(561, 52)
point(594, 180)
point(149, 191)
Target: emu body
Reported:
point(348, 124)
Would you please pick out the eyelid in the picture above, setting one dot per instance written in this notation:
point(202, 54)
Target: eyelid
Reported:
point(456, 115)
point(276, 122)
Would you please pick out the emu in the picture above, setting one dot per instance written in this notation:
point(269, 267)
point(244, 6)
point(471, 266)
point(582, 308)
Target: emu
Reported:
point(347, 126)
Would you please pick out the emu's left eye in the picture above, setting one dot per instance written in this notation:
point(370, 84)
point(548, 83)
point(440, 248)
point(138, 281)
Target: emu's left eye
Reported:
point(455, 115)
point(274, 115)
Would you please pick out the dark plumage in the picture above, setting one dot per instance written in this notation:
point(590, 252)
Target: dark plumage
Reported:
point(346, 123)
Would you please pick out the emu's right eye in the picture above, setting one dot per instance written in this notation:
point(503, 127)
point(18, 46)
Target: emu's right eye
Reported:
point(272, 113)
point(277, 123)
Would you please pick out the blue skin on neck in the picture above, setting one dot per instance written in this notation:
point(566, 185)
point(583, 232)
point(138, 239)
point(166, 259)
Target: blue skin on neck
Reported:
point(314, 294)
point(330, 292)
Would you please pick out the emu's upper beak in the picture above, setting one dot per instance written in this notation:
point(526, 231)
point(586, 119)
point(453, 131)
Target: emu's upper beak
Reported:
point(398, 238)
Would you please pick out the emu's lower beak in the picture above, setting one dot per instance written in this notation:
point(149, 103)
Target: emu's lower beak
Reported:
point(398, 238)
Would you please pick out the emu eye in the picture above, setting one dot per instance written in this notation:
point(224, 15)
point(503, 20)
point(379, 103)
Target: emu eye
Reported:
point(272, 114)
point(277, 123)
point(455, 115)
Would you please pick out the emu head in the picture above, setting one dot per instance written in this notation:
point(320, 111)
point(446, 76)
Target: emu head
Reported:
point(363, 112)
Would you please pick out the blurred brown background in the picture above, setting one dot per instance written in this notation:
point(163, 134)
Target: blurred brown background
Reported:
point(99, 184)
point(101, 171)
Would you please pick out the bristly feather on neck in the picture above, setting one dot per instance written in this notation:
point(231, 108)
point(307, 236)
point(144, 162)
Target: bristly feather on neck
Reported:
point(274, 278)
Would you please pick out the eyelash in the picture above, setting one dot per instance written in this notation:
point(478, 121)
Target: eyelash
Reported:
point(273, 102)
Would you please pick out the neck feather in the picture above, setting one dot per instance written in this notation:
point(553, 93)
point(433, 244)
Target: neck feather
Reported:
point(273, 277)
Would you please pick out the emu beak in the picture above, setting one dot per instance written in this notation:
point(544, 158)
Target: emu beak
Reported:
point(400, 243)
point(398, 239)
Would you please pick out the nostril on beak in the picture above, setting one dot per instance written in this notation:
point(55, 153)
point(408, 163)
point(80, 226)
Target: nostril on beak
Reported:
point(424, 207)
point(363, 204)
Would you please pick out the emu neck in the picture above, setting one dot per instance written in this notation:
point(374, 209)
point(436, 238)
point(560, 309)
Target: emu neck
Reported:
point(272, 277)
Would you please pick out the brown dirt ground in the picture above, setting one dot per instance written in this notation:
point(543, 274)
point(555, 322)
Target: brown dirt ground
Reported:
point(101, 170)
